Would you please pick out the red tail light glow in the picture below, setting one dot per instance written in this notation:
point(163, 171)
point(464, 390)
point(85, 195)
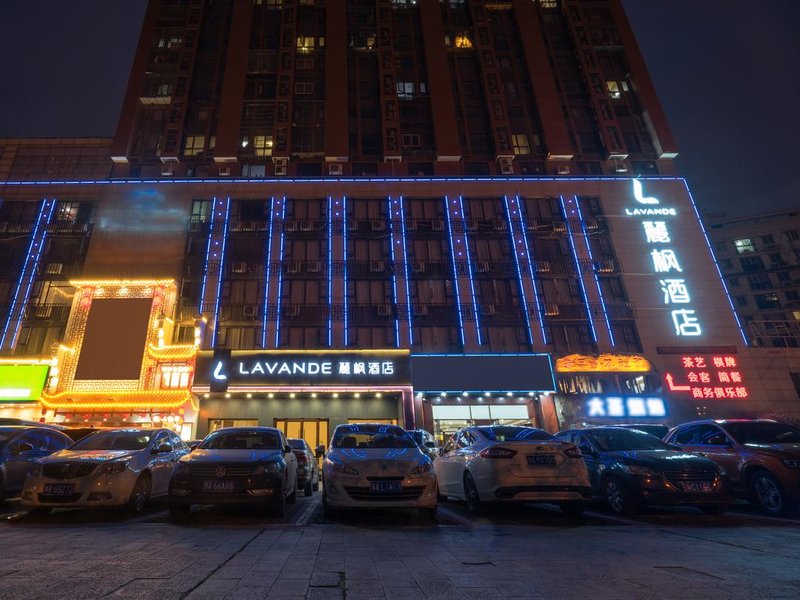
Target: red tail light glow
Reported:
point(498, 452)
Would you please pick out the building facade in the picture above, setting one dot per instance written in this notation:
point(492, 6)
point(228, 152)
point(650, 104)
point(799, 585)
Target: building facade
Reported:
point(428, 213)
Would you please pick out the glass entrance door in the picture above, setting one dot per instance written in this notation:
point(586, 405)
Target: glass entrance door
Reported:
point(314, 431)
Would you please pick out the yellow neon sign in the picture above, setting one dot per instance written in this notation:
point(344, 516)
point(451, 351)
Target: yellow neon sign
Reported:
point(603, 363)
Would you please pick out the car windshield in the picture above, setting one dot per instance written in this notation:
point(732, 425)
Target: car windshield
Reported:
point(763, 432)
point(242, 440)
point(515, 434)
point(615, 440)
point(372, 436)
point(114, 440)
point(297, 444)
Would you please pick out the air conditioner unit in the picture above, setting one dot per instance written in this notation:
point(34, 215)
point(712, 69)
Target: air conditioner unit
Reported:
point(250, 311)
point(377, 266)
point(384, 310)
point(280, 166)
point(224, 171)
point(335, 169)
point(507, 166)
point(482, 266)
point(562, 169)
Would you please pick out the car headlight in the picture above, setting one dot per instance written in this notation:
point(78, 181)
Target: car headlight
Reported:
point(639, 471)
point(792, 463)
point(340, 467)
point(268, 467)
point(423, 467)
point(113, 467)
point(35, 470)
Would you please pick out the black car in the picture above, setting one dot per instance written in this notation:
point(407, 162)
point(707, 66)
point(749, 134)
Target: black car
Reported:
point(20, 448)
point(628, 468)
point(657, 430)
point(307, 466)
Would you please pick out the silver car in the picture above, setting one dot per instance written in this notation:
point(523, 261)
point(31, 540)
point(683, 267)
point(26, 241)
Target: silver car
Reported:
point(116, 467)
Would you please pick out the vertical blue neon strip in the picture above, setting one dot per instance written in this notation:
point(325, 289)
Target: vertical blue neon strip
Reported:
point(531, 269)
point(267, 274)
point(220, 277)
point(344, 261)
point(392, 242)
point(30, 264)
point(455, 272)
point(519, 270)
point(716, 264)
point(469, 272)
point(280, 274)
point(330, 271)
point(405, 272)
point(208, 254)
point(578, 269)
point(594, 273)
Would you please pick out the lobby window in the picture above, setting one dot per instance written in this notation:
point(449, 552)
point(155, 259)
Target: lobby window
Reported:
point(520, 143)
point(262, 145)
point(744, 245)
point(194, 145)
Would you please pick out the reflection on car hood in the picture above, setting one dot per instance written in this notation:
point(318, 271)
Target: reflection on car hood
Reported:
point(379, 462)
point(232, 456)
point(785, 450)
point(662, 460)
point(90, 455)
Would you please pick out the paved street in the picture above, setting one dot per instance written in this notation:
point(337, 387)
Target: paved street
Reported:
point(524, 552)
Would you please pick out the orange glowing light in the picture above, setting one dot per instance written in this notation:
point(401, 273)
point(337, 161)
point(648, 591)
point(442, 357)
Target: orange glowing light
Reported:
point(182, 352)
point(119, 401)
point(604, 363)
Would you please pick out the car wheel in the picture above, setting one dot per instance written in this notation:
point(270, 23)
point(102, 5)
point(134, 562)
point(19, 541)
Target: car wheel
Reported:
point(308, 490)
point(618, 497)
point(471, 495)
point(573, 509)
point(327, 510)
point(140, 495)
point(179, 511)
point(713, 509)
point(429, 514)
point(768, 493)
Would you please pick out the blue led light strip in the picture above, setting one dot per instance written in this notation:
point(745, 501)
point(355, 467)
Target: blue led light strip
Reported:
point(594, 273)
point(392, 241)
point(267, 274)
point(344, 257)
point(208, 254)
point(469, 271)
point(405, 272)
point(531, 267)
point(330, 271)
point(280, 274)
point(29, 266)
point(578, 269)
point(220, 276)
point(519, 270)
point(455, 271)
point(716, 264)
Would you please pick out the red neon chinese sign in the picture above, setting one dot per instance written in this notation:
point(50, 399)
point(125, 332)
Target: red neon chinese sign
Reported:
point(708, 378)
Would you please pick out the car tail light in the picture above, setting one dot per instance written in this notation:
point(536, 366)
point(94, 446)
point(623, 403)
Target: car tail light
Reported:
point(301, 458)
point(498, 452)
point(573, 452)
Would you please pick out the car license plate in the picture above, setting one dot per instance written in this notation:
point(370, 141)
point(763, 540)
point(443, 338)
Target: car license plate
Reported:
point(696, 487)
point(59, 489)
point(385, 487)
point(538, 460)
point(218, 485)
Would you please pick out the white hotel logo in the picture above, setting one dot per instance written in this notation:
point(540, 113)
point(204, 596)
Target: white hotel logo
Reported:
point(665, 260)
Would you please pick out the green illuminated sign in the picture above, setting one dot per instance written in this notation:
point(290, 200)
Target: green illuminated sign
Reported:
point(22, 383)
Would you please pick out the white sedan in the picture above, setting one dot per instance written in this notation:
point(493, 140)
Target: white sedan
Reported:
point(377, 466)
point(115, 467)
point(512, 464)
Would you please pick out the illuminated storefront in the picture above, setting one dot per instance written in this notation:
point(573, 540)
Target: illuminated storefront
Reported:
point(21, 383)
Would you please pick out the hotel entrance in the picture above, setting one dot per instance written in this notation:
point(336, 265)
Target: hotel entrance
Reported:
point(313, 431)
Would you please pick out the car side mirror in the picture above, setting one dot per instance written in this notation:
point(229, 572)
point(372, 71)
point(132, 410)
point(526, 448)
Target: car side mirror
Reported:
point(162, 449)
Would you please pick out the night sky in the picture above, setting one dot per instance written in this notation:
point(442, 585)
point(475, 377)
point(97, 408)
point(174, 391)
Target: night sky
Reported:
point(725, 70)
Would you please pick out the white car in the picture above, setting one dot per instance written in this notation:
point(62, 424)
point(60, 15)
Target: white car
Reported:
point(377, 466)
point(512, 464)
point(115, 467)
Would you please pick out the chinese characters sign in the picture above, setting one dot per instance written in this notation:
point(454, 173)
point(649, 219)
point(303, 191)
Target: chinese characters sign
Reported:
point(709, 377)
point(269, 369)
point(625, 406)
point(665, 262)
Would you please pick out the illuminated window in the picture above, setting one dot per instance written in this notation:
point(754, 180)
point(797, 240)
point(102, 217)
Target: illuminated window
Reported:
point(613, 89)
point(174, 376)
point(548, 3)
point(164, 89)
point(405, 89)
point(262, 145)
point(520, 143)
point(462, 41)
point(305, 44)
point(767, 301)
point(744, 245)
point(194, 145)
point(270, 4)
